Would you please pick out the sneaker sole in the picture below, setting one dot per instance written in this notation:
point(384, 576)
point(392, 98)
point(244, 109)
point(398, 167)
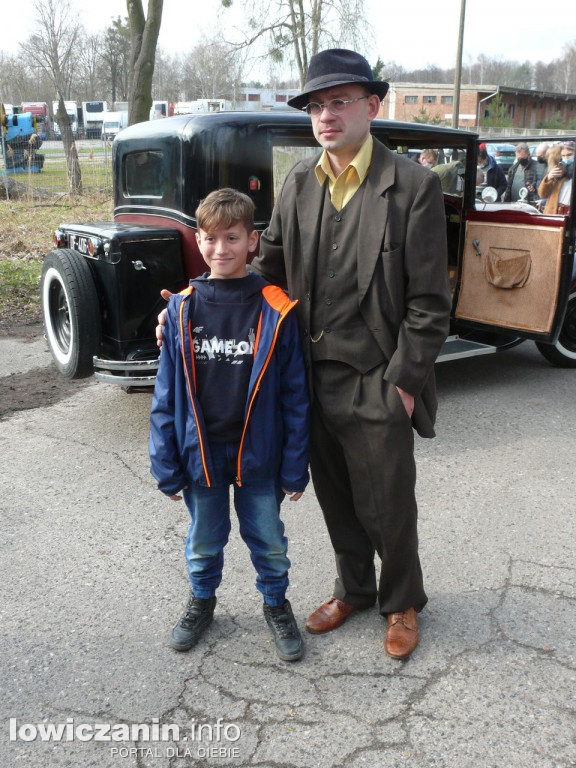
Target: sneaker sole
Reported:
point(291, 656)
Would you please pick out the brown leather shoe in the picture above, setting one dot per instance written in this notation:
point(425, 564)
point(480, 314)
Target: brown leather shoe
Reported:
point(330, 615)
point(402, 634)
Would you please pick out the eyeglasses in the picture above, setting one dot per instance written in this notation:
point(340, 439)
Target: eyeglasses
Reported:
point(335, 106)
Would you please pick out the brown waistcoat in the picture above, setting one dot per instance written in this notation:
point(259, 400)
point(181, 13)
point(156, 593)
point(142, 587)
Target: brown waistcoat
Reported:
point(338, 330)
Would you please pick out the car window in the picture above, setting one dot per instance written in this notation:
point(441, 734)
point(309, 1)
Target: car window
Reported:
point(449, 162)
point(284, 155)
point(143, 174)
point(520, 184)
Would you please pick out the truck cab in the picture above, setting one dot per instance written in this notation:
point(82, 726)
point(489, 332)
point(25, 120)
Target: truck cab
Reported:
point(112, 124)
point(93, 115)
point(509, 265)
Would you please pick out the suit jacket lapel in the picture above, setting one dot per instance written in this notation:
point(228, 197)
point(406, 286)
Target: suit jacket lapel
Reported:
point(309, 204)
point(373, 215)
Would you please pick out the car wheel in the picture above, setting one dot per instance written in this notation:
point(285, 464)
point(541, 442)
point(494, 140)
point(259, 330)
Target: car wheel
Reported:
point(71, 312)
point(563, 353)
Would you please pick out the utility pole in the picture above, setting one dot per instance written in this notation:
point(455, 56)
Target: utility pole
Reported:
point(458, 72)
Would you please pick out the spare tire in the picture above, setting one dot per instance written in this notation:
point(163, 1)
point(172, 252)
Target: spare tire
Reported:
point(71, 312)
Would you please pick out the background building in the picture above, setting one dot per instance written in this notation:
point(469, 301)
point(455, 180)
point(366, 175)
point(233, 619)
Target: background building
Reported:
point(524, 108)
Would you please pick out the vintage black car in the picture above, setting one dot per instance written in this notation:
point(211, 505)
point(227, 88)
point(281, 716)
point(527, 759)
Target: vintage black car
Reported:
point(510, 266)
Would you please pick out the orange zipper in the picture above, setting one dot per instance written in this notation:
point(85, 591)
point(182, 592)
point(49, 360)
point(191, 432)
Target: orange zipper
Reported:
point(190, 392)
point(256, 388)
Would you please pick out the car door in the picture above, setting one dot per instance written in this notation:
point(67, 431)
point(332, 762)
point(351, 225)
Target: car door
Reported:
point(516, 270)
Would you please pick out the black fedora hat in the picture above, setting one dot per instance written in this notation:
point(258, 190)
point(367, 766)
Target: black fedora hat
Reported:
point(337, 66)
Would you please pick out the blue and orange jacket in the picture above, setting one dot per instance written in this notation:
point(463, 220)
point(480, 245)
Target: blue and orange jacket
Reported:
point(275, 437)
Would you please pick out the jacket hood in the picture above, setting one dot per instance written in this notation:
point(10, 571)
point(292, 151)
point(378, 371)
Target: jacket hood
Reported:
point(236, 289)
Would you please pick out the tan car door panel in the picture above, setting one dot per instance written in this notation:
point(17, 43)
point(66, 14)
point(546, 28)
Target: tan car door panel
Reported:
point(511, 275)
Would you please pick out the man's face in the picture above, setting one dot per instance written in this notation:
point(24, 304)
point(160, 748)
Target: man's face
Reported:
point(344, 134)
point(522, 154)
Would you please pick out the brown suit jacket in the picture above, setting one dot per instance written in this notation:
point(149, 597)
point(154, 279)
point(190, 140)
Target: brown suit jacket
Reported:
point(403, 291)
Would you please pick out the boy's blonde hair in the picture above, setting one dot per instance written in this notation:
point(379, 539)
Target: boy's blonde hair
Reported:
point(223, 208)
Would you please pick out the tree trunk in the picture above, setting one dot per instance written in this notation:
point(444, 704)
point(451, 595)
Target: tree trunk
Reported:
point(143, 40)
point(70, 151)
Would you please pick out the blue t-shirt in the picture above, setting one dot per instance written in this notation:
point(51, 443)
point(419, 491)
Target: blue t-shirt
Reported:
point(224, 321)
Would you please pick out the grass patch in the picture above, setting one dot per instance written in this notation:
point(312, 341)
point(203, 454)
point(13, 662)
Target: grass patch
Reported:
point(25, 237)
point(20, 281)
point(95, 167)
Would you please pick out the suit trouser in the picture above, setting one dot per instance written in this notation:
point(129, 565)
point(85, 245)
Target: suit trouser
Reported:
point(364, 475)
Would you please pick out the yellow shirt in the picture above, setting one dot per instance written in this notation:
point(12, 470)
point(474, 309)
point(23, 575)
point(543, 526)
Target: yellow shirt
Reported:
point(343, 188)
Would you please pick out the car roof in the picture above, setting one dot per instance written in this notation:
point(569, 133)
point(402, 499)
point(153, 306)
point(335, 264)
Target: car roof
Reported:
point(191, 123)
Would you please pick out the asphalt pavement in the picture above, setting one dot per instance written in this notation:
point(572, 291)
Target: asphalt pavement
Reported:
point(93, 579)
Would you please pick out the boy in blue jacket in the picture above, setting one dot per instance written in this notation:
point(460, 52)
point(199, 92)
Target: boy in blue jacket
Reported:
point(231, 407)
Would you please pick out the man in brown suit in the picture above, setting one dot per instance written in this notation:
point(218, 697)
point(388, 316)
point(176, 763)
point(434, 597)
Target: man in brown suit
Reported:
point(358, 236)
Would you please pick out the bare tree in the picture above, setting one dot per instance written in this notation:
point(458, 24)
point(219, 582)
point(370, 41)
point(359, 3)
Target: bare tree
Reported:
point(212, 70)
point(53, 46)
point(17, 81)
point(298, 29)
point(544, 76)
point(567, 68)
point(88, 81)
point(167, 81)
point(144, 31)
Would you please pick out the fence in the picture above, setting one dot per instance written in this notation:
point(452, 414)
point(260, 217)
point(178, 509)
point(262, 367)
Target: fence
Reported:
point(43, 173)
point(519, 132)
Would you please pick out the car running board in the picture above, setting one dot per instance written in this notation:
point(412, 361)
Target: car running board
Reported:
point(455, 348)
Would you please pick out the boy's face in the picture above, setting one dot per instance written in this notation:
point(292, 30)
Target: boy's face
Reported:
point(226, 250)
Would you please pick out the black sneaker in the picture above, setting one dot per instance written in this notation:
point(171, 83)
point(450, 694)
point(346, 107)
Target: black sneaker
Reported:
point(197, 616)
point(287, 637)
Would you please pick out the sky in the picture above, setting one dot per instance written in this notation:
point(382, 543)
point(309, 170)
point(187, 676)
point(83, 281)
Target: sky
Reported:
point(413, 34)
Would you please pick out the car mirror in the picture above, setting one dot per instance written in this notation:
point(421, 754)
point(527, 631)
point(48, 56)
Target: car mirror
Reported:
point(489, 195)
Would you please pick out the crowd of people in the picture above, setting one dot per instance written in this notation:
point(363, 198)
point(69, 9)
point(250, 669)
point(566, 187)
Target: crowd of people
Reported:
point(544, 180)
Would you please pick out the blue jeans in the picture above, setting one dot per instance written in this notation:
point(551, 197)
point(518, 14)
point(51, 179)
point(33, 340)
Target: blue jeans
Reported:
point(257, 505)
